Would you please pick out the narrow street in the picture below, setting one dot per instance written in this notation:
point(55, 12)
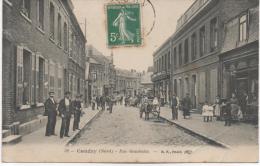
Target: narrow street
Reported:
point(124, 127)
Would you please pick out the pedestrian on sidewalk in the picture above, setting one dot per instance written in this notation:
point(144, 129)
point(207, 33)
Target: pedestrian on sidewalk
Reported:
point(207, 112)
point(227, 113)
point(186, 106)
point(50, 111)
point(103, 102)
point(98, 101)
point(174, 107)
point(77, 112)
point(65, 110)
point(93, 103)
point(217, 111)
point(111, 103)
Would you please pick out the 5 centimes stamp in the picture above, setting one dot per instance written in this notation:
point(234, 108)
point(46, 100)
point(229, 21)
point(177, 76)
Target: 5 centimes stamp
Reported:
point(123, 24)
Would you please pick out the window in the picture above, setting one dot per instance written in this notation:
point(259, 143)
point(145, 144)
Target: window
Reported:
point(65, 40)
point(52, 75)
point(52, 21)
point(59, 30)
point(202, 41)
point(180, 54)
point(174, 57)
point(186, 51)
point(169, 60)
point(193, 47)
point(213, 34)
point(40, 13)
point(60, 82)
point(26, 8)
point(243, 28)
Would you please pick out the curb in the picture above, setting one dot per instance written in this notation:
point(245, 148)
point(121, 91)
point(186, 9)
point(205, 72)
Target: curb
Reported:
point(77, 133)
point(208, 139)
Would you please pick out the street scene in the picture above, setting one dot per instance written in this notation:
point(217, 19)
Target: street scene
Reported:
point(134, 80)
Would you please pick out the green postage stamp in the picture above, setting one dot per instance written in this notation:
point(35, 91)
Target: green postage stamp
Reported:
point(123, 24)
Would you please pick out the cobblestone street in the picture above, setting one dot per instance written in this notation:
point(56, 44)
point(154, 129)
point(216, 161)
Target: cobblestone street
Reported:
point(124, 127)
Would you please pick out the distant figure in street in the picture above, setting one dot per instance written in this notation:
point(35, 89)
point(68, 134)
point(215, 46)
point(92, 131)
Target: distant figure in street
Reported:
point(111, 101)
point(51, 111)
point(77, 112)
point(93, 103)
point(103, 102)
point(98, 101)
point(227, 113)
point(174, 107)
point(121, 100)
point(65, 110)
point(186, 106)
point(217, 111)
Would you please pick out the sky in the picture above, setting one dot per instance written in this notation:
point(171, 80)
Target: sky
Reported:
point(138, 58)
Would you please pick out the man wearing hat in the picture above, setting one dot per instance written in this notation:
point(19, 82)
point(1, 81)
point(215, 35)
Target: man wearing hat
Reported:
point(50, 111)
point(77, 111)
point(65, 110)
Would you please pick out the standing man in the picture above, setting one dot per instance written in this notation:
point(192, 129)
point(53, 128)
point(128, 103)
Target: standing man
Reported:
point(98, 101)
point(51, 111)
point(77, 112)
point(65, 109)
point(103, 102)
point(174, 107)
point(186, 105)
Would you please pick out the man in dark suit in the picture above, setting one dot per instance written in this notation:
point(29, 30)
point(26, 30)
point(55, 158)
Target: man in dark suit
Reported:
point(77, 112)
point(186, 106)
point(51, 111)
point(65, 110)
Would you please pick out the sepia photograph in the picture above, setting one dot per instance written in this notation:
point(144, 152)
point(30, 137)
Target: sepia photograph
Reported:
point(130, 81)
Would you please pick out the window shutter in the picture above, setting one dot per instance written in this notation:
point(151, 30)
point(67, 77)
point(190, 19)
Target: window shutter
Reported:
point(46, 78)
point(33, 78)
point(37, 77)
point(19, 76)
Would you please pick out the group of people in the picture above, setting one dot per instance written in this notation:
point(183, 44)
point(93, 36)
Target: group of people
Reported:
point(65, 109)
point(102, 101)
point(226, 110)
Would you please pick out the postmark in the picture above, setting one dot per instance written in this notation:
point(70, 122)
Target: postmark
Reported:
point(124, 24)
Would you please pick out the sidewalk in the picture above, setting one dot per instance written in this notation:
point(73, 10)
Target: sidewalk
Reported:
point(237, 134)
point(38, 137)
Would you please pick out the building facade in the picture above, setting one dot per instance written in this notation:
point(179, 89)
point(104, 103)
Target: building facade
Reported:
point(146, 82)
point(127, 82)
point(101, 73)
point(196, 45)
point(36, 55)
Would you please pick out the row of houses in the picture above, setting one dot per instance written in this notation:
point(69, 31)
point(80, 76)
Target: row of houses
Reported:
point(43, 50)
point(214, 51)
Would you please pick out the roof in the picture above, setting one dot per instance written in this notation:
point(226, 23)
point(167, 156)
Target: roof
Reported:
point(231, 40)
point(97, 55)
point(126, 73)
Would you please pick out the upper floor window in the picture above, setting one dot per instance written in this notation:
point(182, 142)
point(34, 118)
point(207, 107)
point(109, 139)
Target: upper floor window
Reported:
point(174, 57)
point(193, 47)
point(169, 60)
point(186, 51)
point(243, 28)
point(202, 41)
point(40, 13)
point(26, 8)
point(52, 21)
point(65, 34)
point(213, 34)
point(180, 54)
point(59, 29)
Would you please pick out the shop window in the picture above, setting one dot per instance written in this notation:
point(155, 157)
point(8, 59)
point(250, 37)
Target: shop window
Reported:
point(59, 30)
point(52, 17)
point(213, 34)
point(26, 8)
point(193, 47)
point(40, 13)
point(202, 41)
point(243, 28)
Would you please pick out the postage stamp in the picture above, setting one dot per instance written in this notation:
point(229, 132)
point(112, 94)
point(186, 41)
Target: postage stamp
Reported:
point(123, 24)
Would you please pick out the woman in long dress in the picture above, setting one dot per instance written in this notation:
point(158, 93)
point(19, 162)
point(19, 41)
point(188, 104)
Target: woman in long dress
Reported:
point(120, 21)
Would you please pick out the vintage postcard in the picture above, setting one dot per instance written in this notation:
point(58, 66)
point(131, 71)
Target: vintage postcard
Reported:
point(130, 81)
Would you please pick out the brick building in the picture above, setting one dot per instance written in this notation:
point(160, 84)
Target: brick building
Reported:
point(39, 44)
point(101, 73)
point(127, 82)
point(196, 45)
